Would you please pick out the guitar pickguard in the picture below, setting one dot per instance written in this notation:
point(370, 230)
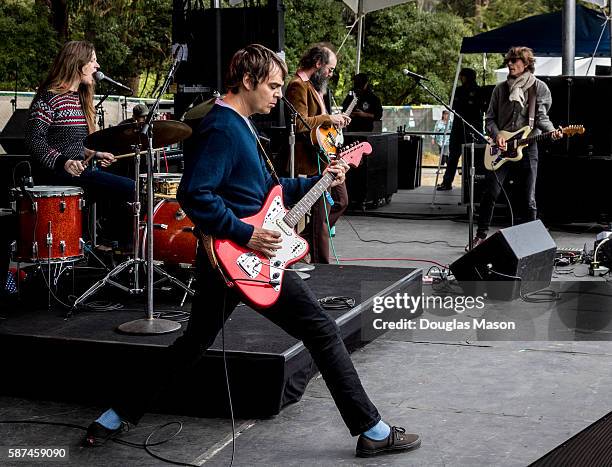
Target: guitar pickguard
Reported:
point(250, 264)
point(292, 247)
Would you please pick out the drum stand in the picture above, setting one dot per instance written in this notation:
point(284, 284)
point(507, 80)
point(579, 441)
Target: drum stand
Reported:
point(135, 262)
point(151, 325)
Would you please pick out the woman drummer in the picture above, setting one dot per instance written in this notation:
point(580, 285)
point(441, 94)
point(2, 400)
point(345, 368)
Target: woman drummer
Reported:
point(61, 116)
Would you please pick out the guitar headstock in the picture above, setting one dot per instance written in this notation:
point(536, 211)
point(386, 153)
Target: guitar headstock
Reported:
point(572, 130)
point(352, 153)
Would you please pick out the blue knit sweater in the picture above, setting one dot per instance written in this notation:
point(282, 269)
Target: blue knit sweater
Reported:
point(225, 178)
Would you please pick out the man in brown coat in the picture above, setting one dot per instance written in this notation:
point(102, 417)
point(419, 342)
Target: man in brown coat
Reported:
point(305, 91)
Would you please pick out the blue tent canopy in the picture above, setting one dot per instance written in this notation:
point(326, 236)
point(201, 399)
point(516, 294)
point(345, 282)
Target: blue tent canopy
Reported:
point(543, 34)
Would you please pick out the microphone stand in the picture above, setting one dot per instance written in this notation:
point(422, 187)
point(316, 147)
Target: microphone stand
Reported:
point(419, 82)
point(150, 325)
point(100, 111)
point(14, 99)
point(124, 109)
point(299, 267)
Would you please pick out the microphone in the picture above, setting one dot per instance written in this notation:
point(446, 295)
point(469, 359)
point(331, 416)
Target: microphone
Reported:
point(99, 76)
point(414, 75)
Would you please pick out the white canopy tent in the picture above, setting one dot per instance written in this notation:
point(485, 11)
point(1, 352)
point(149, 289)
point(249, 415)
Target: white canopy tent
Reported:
point(551, 66)
point(361, 8)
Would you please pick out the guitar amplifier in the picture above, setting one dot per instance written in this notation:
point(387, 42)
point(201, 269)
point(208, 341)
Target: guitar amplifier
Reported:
point(409, 156)
point(375, 180)
point(575, 101)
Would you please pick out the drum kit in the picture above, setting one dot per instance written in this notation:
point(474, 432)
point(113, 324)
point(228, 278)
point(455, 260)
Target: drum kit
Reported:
point(50, 217)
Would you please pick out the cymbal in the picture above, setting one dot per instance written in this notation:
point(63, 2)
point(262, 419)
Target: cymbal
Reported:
point(200, 110)
point(120, 139)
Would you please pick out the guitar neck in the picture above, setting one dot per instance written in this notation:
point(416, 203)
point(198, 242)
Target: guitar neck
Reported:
point(303, 206)
point(351, 106)
point(531, 139)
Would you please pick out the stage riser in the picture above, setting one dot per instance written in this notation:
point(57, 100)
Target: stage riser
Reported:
point(83, 360)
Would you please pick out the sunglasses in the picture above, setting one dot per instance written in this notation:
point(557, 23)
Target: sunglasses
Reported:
point(512, 60)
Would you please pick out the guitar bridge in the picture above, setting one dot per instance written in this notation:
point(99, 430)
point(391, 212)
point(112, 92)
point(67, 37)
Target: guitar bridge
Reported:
point(250, 264)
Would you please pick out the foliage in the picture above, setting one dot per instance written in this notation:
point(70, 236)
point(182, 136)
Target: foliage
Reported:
point(132, 37)
point(310, 21)
point(28, 44)
point(403, 37)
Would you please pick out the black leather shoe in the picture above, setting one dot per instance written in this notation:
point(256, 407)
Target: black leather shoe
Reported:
point(444, 187)
point(398, 440)
point(97, 434)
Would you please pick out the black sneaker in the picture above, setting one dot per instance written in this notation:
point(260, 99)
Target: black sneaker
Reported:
point(398, 440)
point(98, 434)
point(444, 187)
point(478, 239)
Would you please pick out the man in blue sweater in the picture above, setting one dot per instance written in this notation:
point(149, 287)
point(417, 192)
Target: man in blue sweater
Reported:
point(226, 179)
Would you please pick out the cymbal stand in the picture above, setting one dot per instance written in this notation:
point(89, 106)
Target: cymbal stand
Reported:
point(151, 325)
point(135, 261)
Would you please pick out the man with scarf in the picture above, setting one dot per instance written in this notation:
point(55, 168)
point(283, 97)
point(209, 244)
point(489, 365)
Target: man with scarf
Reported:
point(509, 110)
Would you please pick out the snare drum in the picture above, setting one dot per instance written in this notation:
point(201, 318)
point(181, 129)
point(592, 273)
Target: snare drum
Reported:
point(174, 241)
point(165, 185)
point(50, 218)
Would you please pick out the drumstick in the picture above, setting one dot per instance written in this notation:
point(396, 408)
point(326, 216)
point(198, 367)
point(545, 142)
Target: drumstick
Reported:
point(131, 154)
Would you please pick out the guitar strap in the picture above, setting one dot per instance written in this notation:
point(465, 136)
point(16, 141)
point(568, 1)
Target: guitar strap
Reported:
point(264, 156)
point(531, 95)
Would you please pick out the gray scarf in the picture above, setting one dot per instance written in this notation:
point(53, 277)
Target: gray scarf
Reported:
point(518, 87)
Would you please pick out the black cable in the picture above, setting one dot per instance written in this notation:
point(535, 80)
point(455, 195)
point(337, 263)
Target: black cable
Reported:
point(408, 216)
point(501, 185)
point(337, 303)
point(178, 316)
point(146, 445)
point(375, 240)
point(531, 297)
point(100, 305)
point(227, 384)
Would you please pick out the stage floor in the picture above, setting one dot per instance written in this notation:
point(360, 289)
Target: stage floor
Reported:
point(270, 368)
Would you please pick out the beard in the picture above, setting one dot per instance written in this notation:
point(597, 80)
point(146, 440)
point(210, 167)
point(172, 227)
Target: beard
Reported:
point(319, 81)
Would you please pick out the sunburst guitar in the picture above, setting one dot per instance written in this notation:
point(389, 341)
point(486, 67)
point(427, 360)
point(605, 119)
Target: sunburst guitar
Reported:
point(495, 157)
point(258, 278)
point(330, 138)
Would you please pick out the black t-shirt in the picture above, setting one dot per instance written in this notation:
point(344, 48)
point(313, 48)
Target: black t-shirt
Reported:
point(368, 102)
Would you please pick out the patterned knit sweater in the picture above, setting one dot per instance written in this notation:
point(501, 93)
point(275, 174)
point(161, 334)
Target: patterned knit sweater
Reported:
point(55, 129)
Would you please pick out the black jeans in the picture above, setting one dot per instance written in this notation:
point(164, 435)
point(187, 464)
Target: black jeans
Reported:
point(494, 180)
point(458, 137)
point(98, 183)
point(297, 312)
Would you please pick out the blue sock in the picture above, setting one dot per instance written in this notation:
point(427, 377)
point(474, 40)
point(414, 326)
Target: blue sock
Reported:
point(378, 432)
point(109, 420)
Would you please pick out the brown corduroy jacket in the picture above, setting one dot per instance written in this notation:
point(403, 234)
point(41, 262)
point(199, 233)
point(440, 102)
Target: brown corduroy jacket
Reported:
point(303, 97)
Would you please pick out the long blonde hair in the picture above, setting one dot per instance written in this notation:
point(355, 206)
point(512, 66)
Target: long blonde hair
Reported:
point(66, 69)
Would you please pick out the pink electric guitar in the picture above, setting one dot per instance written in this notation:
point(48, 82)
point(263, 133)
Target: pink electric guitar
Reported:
point(258, 278)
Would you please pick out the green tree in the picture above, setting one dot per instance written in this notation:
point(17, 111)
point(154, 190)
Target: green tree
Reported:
point(28, 43)
point(404, 37)
point(132, 37)
point(311, 21)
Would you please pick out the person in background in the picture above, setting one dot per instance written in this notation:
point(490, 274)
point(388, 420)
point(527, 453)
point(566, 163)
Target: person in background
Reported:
point(509, 111)
point(305, 91)
point(368, 108)
point(442, 138)
point(469, 104)
point(61, 117)
point(139, 114)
